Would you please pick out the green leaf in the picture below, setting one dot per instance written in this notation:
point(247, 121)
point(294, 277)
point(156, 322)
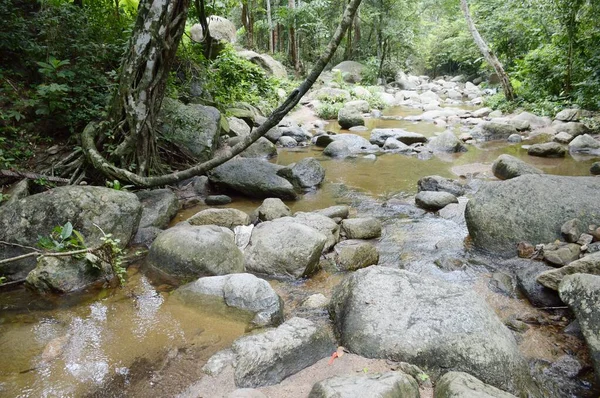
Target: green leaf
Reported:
point(79, 237)
point(67, 231)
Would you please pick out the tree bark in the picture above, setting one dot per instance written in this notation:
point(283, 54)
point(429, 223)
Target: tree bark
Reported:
point(292, 43)
point(490, 57)
point(270, 23)
point(110, 170)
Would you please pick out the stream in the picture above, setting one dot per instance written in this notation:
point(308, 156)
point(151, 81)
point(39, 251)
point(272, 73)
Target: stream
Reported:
point(139, 341)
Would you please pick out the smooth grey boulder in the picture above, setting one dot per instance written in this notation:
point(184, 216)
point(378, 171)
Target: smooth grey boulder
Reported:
point(393, 144)
point(307, 173)
point(351, 71)
point(67, 275)
point(193, 251)
point(569, 115)
point(274, 134)
point(446, 142)
point(253, 177)
point(287, 142)
point(355, 143)
point(337, 149)
point(228, 218)
point(353, 254)
point(272, 208)
point(441, 184)
point(386, 385)
point(238, 127)
point(217, 200)
point(529, 208)
point(318, 222)
point(220, 29)
point(589, 265)
point(159, 206)
point(548, 150)
point(527, 272)
point(358, 106)
point(267, 63)
point(379, 136)
point(268, 358)
point(515, 138)
point(563, 137)
point(193, 128)
point(284, 249)
point(145, 236)
point(463, 385)
point(296, 132)
point(434, 201)
point(381, 312)
point(348, 118)
point(90, 210)
point(243, 291)
point(507, 167)
point(261, 149)
point(497, 131)
point(582, 293)
point(340, 211)
point(573, 128)
point(585, 144)
point(361, 228)
point(533, 120)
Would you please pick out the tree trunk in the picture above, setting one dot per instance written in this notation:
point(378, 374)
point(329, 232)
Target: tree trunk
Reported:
point(174, 31)
point(292, 43)
point(490, 57)
point(270, 23)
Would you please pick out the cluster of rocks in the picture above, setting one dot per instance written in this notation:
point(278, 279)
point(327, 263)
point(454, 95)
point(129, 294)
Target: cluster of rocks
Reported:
point(435, 192)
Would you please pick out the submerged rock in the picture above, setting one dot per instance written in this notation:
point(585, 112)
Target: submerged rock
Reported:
point(380, 312)
point(391, 384)
point(547, 150)
point(307, 173)
point(507, 167)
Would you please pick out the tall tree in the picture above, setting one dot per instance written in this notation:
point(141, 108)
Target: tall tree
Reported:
point(487, 53)
point(270, 24)
point(144, 71)
point(292, 36)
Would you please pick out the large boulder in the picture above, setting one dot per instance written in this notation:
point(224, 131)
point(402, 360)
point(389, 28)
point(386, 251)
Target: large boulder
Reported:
point(193, 251)
point(351, 71)
point(387, 385)
point(193, 128)
point(463, 385)
point(219, 28)
point(242, 291)
point(585, 144)
point(589, 265)
point(569, 115)
point(507, 167)
point(379, 136)
point(527, 272)
point(269, 64)
point(582, 293)
point(284, 249)
point(307, 173)
point(381, 312)
point(318, 222)
point(529, 208)
point(573, 128)
point(228, 218)
point(548, 150)
point(446, 142)
point(159, 206)
point(348, 118)
point(253, 177)
point(260, 149)
point(268, 358)
point(90, 210)
point(497, 131)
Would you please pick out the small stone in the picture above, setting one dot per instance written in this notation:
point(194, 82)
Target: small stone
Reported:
point(547, 150)
point(563, 255)
point(514, 324)
point(316, 301)
point(585, 239)
point(355, 254)
point(272, 208)
point(571, 230)
point(525, 249)
point(515, 138)
point(434, 201)
point(563, 137)
point(217, 200)
point(362, 228)
point(595, 169)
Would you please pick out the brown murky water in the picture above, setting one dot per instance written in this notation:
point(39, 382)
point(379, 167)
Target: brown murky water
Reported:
point(137, 341)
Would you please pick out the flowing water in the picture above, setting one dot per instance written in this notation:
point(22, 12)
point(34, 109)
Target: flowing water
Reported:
point(137, 341)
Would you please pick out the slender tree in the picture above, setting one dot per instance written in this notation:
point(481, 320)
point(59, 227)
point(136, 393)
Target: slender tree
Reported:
point(487, 53)
point(270, 23)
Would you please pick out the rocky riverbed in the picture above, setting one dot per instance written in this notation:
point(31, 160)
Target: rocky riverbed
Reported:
point(386, 259)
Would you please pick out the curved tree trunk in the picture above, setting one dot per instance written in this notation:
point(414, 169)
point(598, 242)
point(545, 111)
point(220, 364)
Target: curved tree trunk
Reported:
point(490, 57)
point(111, 170)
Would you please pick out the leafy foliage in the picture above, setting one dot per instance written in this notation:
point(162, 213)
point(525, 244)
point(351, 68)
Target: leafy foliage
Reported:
point(62, 239)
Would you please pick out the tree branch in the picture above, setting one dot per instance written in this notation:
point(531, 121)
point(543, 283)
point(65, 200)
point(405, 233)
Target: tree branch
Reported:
point(103, 165)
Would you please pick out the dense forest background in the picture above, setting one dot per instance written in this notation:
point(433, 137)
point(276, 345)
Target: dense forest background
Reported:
point(59, 59)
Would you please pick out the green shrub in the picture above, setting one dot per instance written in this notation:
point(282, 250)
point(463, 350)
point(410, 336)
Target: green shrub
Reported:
point(329, 111)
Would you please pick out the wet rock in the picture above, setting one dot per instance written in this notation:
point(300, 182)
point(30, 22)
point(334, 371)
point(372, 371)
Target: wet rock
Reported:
point(243, 291)
point(66, 275)
point(380, 312)
point(447, 142)
point(348, 118)
point(260, 149)
point(228, 218)
point(194, 128)
point(563, 137)
point(527, 272)
point(145, 236)
point(268, 358)
point(529, 208)
point(193, 251)
point(507, 167)
point(395, 145)
point(547, 150)
point(563, 255)
point(297, 133)
point(86, 207)
point(514, 138)
point(159, 206)
point(315, 301)
point(337, 149)
point(441, 184)
point(391, 384)
point(497, 131)
point(253, 177)
point(463, 385)
point(503, 283)
point(217, 200)
point(595, 169)
point(355, 143)
point(589, 264)
point(284, 249)
point(353, 254)
point(218, 362)
point(434, 201)
point(361, 228)
point(571, 230)
point(272, 208)
point(307, 173)
point(275, 134)
point(320, 223)
point(340, 211)
point(584, 144)
point(582, 293)
point(514, 324)
point(379, 136)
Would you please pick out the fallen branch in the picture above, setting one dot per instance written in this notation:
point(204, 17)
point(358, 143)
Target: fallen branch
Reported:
point(52, 254)
point(32, 176)
point(103, 165)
